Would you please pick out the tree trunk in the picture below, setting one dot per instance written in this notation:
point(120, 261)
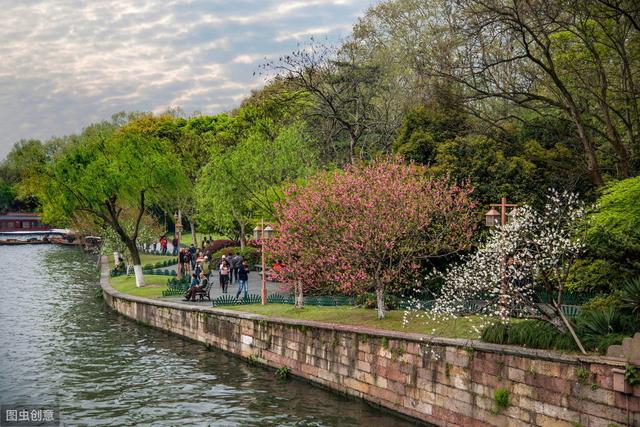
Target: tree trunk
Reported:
point(135, 258)
point(380, 301)
point(299, 295)
point(192, 224)
point(589, 151)
point(243, 234)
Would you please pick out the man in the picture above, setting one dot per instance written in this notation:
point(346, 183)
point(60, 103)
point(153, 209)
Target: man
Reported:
point(192, 251)
point(236, 263)
point(175, 243)
point(243, 279)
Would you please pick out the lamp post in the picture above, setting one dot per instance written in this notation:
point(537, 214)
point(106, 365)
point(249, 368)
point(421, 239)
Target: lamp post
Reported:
point(495, 218)
point(263, 233)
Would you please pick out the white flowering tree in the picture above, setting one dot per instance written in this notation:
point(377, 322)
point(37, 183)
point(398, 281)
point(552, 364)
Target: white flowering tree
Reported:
point(534, 250)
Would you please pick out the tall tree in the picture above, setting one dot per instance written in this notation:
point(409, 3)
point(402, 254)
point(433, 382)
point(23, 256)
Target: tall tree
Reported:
point(106, 173)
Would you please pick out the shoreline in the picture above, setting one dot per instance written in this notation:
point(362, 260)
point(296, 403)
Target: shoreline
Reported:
point(442, 381)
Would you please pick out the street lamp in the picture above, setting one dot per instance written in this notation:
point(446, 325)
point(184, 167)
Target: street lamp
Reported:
point(493, 217)
point(261, 232)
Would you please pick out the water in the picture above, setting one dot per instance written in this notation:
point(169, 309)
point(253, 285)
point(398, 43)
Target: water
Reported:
point(60, 345)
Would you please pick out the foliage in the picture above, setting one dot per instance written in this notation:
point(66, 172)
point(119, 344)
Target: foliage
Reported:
point(217, 245)
point(630, 295)
point(104, 174)
point(534, 247)
point(241, 184)
point(631, 375)
point(366, 228)
point(528, 333)
point(501, 398)
point(612, 239)
point(282, 373)
point(249, 254)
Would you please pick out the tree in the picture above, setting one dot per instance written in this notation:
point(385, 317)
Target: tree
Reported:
point(241, 183)
point(612, 240)
point(536, 249)
point(352, 107)
point(106, 173)
point(367, 227)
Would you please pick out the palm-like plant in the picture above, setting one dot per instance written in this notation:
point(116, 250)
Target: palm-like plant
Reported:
point(630, 295)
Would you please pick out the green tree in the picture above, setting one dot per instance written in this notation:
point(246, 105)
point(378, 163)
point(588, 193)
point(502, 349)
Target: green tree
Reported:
point(241, 183)
point(106, 173)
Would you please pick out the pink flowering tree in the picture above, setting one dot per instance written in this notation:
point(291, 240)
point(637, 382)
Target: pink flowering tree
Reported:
point(368, 227)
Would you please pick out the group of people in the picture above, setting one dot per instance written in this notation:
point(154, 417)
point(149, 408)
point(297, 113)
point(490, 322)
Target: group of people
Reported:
point(232, 269)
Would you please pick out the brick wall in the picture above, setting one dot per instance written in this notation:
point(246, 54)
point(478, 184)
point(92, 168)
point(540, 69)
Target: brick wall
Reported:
point(446, 382)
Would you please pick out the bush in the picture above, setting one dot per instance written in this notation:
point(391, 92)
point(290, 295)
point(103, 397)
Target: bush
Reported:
point(528, 333)
point(630, 295)
point(216, 245)
point(596, 328)
point(251, 255)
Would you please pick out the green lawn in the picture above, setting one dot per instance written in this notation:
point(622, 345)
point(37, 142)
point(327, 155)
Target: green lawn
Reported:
point(153, 288)
point(187, 238)
point(145, 258)
point(458, 328)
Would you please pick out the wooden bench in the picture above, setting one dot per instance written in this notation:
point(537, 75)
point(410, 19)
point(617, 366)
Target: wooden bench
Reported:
point(205, 292)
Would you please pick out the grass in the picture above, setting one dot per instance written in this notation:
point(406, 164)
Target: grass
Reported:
point(187, 238)
point(152, 289)
point(145, 258)
point(458, 328)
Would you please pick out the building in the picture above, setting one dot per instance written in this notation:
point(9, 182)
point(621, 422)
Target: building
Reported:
point(21, 222)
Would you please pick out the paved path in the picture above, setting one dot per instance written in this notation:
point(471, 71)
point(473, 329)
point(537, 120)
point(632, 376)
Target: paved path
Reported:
point(255, 285)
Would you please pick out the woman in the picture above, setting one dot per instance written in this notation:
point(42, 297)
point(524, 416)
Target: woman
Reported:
point(225, 269)
point(193, 289)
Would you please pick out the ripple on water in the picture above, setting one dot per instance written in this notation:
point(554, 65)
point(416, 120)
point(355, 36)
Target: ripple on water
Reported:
point(59, 344)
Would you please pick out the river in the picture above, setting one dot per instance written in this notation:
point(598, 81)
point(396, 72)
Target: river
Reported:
point(61, 346)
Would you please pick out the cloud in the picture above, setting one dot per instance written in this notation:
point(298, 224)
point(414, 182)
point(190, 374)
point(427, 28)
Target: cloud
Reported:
point(68, 63)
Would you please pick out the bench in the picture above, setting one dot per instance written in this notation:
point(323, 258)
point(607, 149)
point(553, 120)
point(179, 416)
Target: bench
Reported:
point(205, 293)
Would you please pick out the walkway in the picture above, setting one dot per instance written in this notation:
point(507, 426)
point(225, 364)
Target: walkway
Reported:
point(254, 288)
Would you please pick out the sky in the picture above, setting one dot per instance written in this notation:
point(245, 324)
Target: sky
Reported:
point(68, 63)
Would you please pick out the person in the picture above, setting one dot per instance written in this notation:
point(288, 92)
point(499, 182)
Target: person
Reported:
point(120, 267)
point(198, 268)
point(163, 244)
point(175, 243)
point(194, 288)
point(206, 268)
point(236, 263)
point(187, 260)
point(243, 279)
point(192, 251)
point(225, 270)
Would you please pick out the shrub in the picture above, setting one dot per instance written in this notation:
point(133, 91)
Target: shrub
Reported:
point(630, 295)
point(528, 333)
point(251, 255)
point(501, 398)
point(216, 245)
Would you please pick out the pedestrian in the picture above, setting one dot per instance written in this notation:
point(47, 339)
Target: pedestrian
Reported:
point(174, 244)
point(163, 244)
point(192, 251)
point(243, 279)
point(236, 262)
point(225, 270)
point(187, 260)
point(206, 267)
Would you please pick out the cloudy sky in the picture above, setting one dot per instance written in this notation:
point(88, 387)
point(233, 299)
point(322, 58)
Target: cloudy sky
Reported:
point(67, 63)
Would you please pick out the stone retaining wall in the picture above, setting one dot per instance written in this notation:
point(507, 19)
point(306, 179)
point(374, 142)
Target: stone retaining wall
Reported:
point(447, 382)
